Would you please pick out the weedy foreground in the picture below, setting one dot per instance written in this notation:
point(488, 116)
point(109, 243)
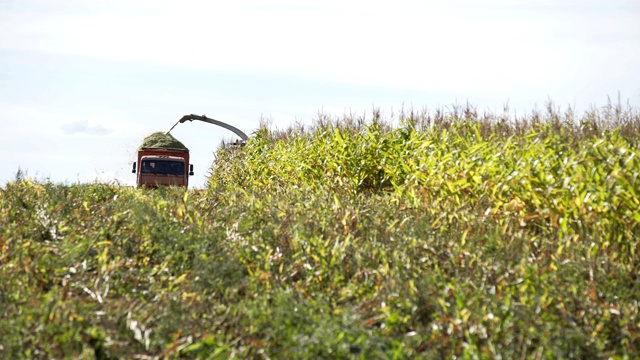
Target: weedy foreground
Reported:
point(448, 234)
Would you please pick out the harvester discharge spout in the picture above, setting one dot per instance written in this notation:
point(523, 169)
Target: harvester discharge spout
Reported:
point(192, 117)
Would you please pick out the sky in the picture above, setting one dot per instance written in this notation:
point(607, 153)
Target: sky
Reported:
point(82, 82)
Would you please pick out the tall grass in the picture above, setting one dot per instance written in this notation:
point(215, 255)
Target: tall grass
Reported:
point(425, 234)
point(535, 218)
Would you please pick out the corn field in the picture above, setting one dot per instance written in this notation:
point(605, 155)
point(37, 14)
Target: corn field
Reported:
point(429, 234)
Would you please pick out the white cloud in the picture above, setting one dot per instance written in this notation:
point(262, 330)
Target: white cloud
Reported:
point(458, 45)
point(84, 127)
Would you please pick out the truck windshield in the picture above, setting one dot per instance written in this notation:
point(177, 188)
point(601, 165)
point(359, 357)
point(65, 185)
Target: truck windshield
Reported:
point(162, 167)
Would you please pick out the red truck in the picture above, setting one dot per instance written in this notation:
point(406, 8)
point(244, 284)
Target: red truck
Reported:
point(163, 160)
point(157, 167)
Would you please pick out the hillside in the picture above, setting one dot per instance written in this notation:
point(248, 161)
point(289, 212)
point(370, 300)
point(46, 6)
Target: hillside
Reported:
point(427, 235)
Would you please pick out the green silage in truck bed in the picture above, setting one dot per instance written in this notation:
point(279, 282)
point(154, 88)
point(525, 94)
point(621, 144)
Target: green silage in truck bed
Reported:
point(161, 140)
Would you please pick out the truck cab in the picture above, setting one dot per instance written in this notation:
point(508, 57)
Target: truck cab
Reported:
point(162, 167)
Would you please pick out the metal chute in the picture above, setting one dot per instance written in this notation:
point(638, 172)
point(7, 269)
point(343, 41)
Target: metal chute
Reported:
point(192, 117)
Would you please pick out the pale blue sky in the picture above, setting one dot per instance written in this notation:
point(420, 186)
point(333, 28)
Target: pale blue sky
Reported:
point(82, 82)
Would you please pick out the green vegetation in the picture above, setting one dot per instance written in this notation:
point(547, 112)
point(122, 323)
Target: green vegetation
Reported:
point(448, 234)
point(162, 140)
